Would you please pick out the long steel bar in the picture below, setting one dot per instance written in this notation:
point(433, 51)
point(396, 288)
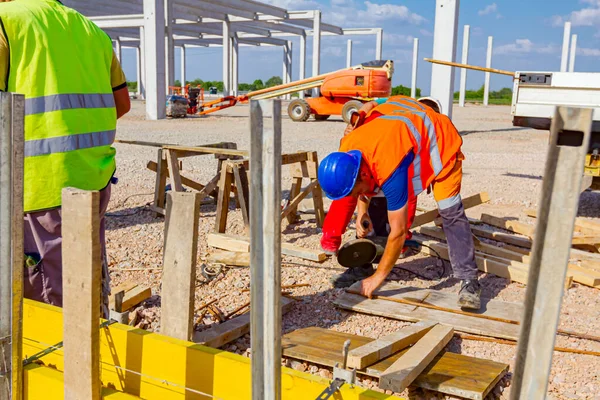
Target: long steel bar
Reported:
point(265, 248)
point(569, 140)
point(473, 67)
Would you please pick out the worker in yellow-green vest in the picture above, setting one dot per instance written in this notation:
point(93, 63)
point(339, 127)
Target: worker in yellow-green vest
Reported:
point(74, 92)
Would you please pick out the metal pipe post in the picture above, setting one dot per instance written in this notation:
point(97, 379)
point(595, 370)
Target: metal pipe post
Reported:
point(349, 54)
point(302, 70)
point(573, 53)
point(379, 44)
point(265, 248)
point(287, 64)
point(415, 64)
point(444, 48)
point(182, 66)
point(488, 64)
point(316, 67)
point(569, 140)
point(463, 71)
point(564, 59)
point(154, 59)
point(226, 59)
point(12, 114)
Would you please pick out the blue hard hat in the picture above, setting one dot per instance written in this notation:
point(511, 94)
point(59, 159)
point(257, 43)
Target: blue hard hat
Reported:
point(338, 173)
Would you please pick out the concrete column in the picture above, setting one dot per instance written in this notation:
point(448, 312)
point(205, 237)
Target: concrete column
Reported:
point(463, 71)
point(573, 53)
point(413, 83)
point(138, 67)
point(182, 62)
point(379, 45)
point(226, 59)
point(444, 48)
point(564, 59)
point(118, 49)
point(169, 45)
point(235, 54)
point(316, 67)
point(154, 49)
point(302, 70)
point(349, 54)
point(142, 81)
point(488, 64)
point(287, 64)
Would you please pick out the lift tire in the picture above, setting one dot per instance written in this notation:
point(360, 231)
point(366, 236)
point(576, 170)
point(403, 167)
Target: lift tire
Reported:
point(299, 110)
point(319, 117)
point(349, 108)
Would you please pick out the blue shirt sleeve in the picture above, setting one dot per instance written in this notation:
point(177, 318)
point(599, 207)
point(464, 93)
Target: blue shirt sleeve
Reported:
point(395, 187)
point(380, 100)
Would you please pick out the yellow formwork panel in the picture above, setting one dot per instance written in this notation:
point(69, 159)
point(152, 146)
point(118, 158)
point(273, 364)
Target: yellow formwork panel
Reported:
point(153, 366)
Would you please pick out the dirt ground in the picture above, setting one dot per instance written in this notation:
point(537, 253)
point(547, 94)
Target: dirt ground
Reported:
point(505, 161)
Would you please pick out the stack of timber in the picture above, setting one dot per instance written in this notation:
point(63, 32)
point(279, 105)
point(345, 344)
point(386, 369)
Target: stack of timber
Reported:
point(504, 249)
point(412, 356)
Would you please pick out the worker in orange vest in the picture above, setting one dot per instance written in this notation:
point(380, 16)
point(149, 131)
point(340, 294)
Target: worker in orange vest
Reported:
point(401, 147)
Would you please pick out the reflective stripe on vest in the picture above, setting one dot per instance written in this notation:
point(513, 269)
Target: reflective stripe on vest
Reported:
point(449, 202)
point(434, 152)
point(58, 102)
point(416, 180)
point(63, 144)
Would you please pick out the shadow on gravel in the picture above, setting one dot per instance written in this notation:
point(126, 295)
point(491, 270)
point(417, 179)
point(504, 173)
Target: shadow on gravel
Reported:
point(465, 133)
point(525, 176)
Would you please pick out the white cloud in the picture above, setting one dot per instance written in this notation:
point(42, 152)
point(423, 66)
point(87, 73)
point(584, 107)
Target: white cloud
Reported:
point(425, 32)
point(524, 46)
point(334, 51)
point(586, 52)
point(490, 9)
point(589, 16)
point(380, 12)
point(295, 4)
point(397, 39)
point(338, 2)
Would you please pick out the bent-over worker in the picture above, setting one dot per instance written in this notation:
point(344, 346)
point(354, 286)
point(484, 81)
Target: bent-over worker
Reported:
point(401, 147)
point(74, 92)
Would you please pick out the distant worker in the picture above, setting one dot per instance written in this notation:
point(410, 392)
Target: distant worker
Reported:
point(399, 147)
point(75, 91)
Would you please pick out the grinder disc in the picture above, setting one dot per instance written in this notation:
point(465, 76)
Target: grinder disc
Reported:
point(356, 253)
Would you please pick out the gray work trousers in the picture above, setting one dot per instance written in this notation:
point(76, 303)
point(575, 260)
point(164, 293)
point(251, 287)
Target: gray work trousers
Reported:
point(43, 241)
point(460, 241)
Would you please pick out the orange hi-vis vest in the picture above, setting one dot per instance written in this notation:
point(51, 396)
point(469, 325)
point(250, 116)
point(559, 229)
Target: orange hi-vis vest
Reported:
point(405, 125)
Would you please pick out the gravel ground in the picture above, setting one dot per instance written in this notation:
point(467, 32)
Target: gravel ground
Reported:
point(505, 161)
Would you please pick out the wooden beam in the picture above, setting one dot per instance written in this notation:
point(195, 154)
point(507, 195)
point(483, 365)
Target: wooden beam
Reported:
point(408, 367)
point(152, 166)
point(317, 194)
point(242, 244)
point(232, 258)
point(200, 150)
point(502, 237)
point(179, 264)
point(379, 349)
point(82, 283)
point(243, 191)
point(509, 225)
point(173, 171)
point(225, 182)
point(468, 202)
point(293, 205)
point(160, 182)
point(295, 190)
point(582, 225)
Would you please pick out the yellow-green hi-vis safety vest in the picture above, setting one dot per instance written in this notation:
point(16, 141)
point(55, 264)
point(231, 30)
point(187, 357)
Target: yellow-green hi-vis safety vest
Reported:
point(61, 62)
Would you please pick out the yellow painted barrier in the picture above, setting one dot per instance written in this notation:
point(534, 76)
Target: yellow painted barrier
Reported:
point(153, 366)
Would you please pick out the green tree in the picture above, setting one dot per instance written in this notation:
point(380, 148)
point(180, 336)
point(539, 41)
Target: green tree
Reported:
point(132, 86)
point(404, 91)
point(258, 84)
point(274, 81)
point(177, 83)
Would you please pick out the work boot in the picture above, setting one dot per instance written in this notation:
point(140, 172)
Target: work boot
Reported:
point(352, 275)
point(469, 295)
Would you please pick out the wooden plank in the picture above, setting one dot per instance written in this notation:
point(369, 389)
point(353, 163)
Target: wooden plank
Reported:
point(502, 237)
point(232, 329)
point(509, 225)
point(243, 191)
point(463, 323)
point(582, 225)
point(173, 171)
point(232, 258)
point(82, 275)
point(160, 182)
point(381, 348)
point(410, 365)
point(152, 166)
point(295, 190)
point(199, 150)
point(179, 265)
point(307, 169)
point(136, 296)
point(237, 243)
point(590, 240)
point(225, 182)
point(450, 373)
point(317, 194)
point(468, 202)
point(584, 276)
point(293, 205)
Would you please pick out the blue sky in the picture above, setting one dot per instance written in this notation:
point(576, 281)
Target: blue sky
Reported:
point(527, 37)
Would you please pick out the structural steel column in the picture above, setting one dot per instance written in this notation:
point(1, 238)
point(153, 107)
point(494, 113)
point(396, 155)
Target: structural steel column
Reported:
point(413, 82)
point(444, 48)
point(302, 70)
point(569, 140)
point(316, 67)
point(463, 71)
point(235, 61)
point(169, 45)
point(142, 80)
point(349, 54)
point(118, 49)
point(379, 45)
point(226, 59)
point(573, 53)
point(182, 61)
point(564, 59)
point(154, 49)
point(287, 64)
point(488, 64)
point(265, 248)
point(138, 66)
